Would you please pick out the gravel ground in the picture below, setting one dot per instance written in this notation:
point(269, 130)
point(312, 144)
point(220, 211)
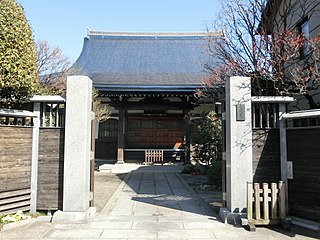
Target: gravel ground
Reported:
point(200, 184)
point(105, 184)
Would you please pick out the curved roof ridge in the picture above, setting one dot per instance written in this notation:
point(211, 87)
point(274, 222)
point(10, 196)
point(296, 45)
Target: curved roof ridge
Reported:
point(153, 34)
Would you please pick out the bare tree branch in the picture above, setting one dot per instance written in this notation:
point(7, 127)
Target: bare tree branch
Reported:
point(264, 43)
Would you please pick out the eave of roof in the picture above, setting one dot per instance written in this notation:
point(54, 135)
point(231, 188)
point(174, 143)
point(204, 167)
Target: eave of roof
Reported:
point(129, 88)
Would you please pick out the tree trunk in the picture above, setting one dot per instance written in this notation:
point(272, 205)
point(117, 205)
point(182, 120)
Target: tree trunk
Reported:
point(311, 102)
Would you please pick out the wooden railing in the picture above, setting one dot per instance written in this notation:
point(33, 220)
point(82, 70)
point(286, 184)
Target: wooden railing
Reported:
point(14, 117)
point(265, 115)
point(266, 205)
point(153, 156)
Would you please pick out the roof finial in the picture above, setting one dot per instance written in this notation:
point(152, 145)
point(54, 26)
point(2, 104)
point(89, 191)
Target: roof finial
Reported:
point(88, 31)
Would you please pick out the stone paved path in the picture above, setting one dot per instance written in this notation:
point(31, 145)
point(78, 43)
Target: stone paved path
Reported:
point(149, 205)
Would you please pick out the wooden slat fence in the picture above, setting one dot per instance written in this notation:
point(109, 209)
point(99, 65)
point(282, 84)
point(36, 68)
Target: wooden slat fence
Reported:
point(50, 169)
point(15, 168)
point(266, 205)
point(12, 201)
point(153, 156)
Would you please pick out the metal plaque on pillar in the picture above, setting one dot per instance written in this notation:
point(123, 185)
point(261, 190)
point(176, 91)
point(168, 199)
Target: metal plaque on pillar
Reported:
point(240, 111)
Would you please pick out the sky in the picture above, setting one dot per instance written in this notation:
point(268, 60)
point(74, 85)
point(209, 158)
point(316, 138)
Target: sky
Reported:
point(64, 23)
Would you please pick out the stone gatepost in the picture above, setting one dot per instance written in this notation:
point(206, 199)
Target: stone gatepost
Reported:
point(76, 184)
point(238, 142)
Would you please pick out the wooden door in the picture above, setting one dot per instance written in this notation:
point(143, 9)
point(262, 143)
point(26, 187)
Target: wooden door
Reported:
point(154, 131)
point(107, 142)
point(304, 187)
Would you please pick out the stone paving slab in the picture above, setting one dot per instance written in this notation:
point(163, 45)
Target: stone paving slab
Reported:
point(158, 225)
point(193, 234)
point(129, 234)
point(73, 233)
point(151, 204)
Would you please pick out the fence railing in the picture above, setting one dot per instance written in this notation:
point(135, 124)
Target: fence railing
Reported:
point(265, 115)
point(266, 205)
point(13, 117)
point(52, 114)
point(153, 156)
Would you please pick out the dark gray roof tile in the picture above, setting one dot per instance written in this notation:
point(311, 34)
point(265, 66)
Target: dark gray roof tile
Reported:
point(144, 58)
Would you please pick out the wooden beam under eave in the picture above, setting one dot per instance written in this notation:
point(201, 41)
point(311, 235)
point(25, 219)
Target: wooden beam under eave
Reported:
point(146, 106)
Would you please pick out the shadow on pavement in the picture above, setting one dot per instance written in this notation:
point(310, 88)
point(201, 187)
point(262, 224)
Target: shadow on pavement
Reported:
point(163, 186)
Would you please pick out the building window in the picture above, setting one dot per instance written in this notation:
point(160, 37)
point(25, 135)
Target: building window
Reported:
point(303, 28)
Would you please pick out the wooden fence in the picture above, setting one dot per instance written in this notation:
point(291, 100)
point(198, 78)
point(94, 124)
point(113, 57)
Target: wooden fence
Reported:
point(12, 201)
point(266, 205)
point(31, 144)
point(15, 164)
point(153, 156)
point(50, 169)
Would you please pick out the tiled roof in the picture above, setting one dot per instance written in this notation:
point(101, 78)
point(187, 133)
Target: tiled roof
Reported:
point(144, 58)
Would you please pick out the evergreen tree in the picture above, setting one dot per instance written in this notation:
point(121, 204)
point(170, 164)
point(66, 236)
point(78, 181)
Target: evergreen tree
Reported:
point(18, 71)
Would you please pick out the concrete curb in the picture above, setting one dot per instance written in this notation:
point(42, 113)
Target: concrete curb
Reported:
point(115, 195)
point(25, 223)
point(20, 224)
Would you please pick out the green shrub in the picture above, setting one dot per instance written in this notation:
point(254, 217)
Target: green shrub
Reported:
point(214, 174)
point(10, 218)
point(207, 144)
point(207, 140)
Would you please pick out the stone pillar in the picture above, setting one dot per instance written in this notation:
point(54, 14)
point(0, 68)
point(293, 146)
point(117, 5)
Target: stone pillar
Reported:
point(238, 142)
point(76, 182)
point(121, 131)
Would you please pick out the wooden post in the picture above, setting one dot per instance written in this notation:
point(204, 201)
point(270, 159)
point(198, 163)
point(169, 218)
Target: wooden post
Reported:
point(282, 201)
point(187, 136)
point(274, 210)
point(257, 200)
point(92, 158)
point(223, 162)
point(249, 201)
point(35, 155)
point(265, 201)
point(121, 130)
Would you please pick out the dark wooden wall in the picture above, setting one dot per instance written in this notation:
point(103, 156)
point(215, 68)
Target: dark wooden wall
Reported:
point(304, 189)
point(50, 169)
point(154, 131)
point(106, 146)
point(266, 155)
point(15, 168)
